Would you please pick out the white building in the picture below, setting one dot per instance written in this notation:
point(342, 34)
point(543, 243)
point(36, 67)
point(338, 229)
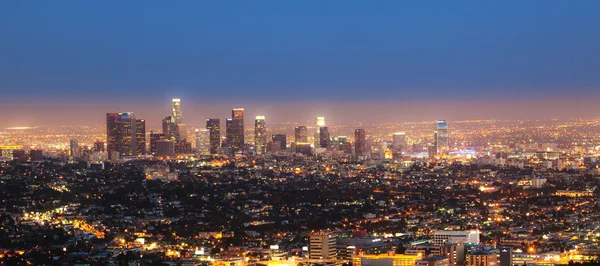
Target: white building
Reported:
point(441, 237)
point(322, 246)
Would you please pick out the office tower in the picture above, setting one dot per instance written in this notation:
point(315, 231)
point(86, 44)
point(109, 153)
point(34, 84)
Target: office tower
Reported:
point(176, 111)
point(202, 141)
point(122, 135)
point(300, 134)
point(360, 142)
point(98, 146)
point(154, 138)
point(214, 129)
point(169, 128)
point(279, 139)
point(399, 142)
point(324, 137)
point(234, 130)
point(36, 155)
point(140, 136)
point(322, 246)
point(74, 148)
point(260, 135)
point(319, 122)
point(165, 147)
point(441, 137)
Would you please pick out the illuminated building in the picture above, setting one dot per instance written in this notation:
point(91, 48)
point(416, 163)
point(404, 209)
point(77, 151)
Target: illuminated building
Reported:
point(324, 137)
point(74, 148)
point(165, 148)
point(99, 146)
point(214, 129)
point(506, 257)
point(7, 150)
point(322, 246)
point(319, 122)
point(122, 135)
point(202, 141)
point(234, 128)
point(176, 111)
point(399, 141)
point(441, 237)
point(279, 140)
point(169, 128)
point(300, 134)
point(441, 137)
point(486, 257)
point(360, 142)
point(154, 138)
point(140, 136)
point(433, 261)
point(260, 135)
point(348, 247)
point(390, 259)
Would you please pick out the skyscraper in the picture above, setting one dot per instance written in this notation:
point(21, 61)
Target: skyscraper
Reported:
point(140, 136)
point(202, 141)
point(324, 137)
point(122, 135)
point(360, 143)
point(441, 137)
point(214, 129)
point(169, 128)
point(279, 139)
point(319, 122)
point(74, 148)
point(154, 138)
point(260, 135)
point(99, 146)
point(235, 130)
point(176, 111)
point(300, 134)
point(399, 141)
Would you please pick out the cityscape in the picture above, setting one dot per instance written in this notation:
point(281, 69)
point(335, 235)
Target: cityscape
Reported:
point(300, 133)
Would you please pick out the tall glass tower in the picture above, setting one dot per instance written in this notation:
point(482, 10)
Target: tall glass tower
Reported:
point(260, 134)
point(176, 111)
point(441, 137)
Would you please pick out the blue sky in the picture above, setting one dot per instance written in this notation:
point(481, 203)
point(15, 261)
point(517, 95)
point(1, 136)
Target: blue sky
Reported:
point(298, 51)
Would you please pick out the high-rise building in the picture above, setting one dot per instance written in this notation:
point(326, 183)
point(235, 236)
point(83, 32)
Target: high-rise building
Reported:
point(322, 246)
point(169, 128)
point(441, 137)
point(165, 147)
point(140, 136)
point(319, 122)
point(99, 146)
point(214, 129)
point(324, 137)
point(122, 135)
point(176, 111)
point(360, 143)
point(300, 134)
point(154, 138)
point(74, 148)
point(260, 135)
point(485, 257)
point(279, 139)
point(399, 142)
point(202, 141)
point(235, 130)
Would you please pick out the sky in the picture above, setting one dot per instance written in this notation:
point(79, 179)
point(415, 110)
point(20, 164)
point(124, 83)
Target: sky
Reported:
point(291, 60)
